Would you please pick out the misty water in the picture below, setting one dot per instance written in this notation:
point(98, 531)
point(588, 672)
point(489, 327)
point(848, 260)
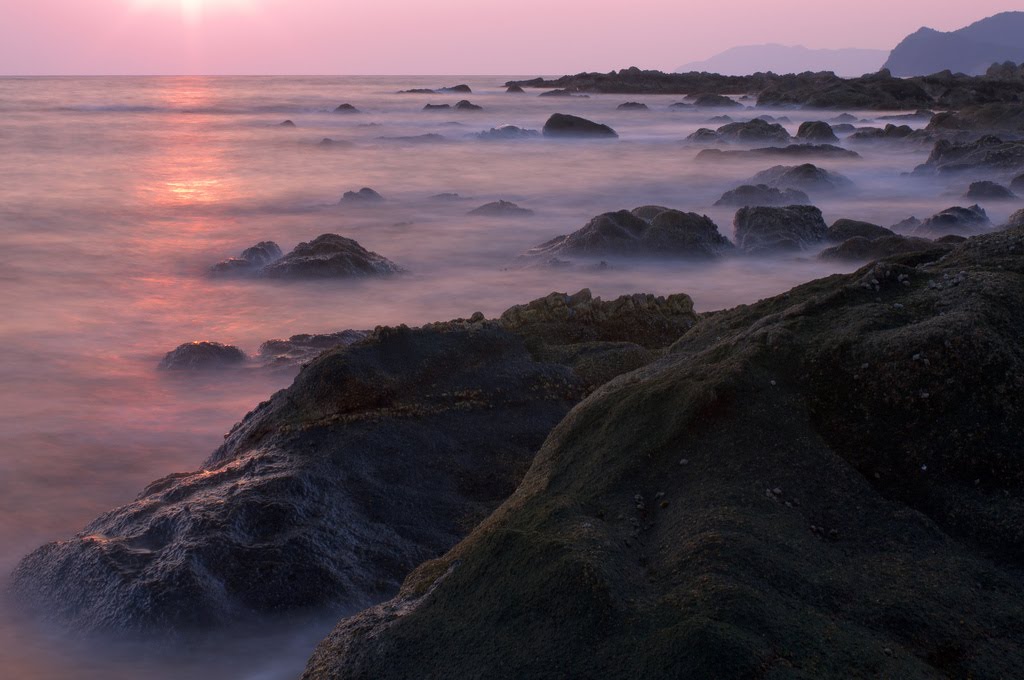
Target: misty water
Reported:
point(117, 194)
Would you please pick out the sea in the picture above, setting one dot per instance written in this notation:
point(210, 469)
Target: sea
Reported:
point(118, 193)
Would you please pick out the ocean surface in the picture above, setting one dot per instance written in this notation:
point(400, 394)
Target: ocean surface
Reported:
point(117, 194)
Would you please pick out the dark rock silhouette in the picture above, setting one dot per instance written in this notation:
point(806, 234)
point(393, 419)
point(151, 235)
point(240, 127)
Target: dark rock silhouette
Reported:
point(986, 153)
point(793, 151)
point(507, 132)
point(955, 220)
point(515, 89)
point(989, 191)
point(762, 194)
point(808, 473)
point(844, 229)
point(466, 105)
point(465, 89)
point(816, 131)
point(346, 108)
point(756, 131)
point(364, 195)
point(995, 117)
point(888, 133)
point(202, 355)
point(437, 107)
point(249, 261)
point(286, 124)
point(766, 229)
point(808, 177)
point(715, 101)
point(971, 50)
point(302, 348)
point(565, 125)
point(648, 231)
point(563, 93)
point(501, 209)
point(865, 249)
point(330, 256)
point(633, 106)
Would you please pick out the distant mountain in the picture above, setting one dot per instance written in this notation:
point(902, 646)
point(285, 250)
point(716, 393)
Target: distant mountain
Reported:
point(969, 50)
point(748, 59)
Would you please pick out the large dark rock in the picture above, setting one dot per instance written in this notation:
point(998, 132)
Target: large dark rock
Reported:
point(330, 256)
point(887, 134)
point(437, 107)
point(756, 131)
point(363, 196)
point(865, 249)
point(501, 209)
point(762, 194)
point(302, 348)
point(564, 93)
point(250, 261)
point(463, 89)
point(565, 125)
point(987, 153)
point(515, 89)
point(466, 105)
point(716, 101)
point(996, 117)
point(632, 106)
point(808, 177)
point(816, 131)
point(346, 108)
point(648, 231)
point(766, 230)
point(791, 152)
point(1016, 220)
point(200, 356)
point(825, 484)
point(844, 229)
point(988, 191)
point(955, 220)
point(382, 454)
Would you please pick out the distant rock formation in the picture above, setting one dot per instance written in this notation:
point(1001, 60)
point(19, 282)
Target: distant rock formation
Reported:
point(807, 177)
point(747, 59)
point(971, 50)
point(364, 195)
point(501, 209)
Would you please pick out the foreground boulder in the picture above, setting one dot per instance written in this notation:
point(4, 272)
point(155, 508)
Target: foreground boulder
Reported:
point(825, 484)
point(250, 261)
point(762, 194)
point(808, 177)
point(383, 453)
point(651, 231)
point(330, 256)
point(564, 125)
point(766, 230)
point(816, 131)
point(202, 356)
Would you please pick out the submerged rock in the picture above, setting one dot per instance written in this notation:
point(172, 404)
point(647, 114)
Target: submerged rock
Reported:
point(515, 89)
point(364, 195)
point(249, 261)
point(286, 124)
point(565, 125)
point(346, 108)
point(756, 131)
point(844, 229)
point(508, 132)
point(888, 133)
point(465, 89)
point(766, 229)
point(201, 356)
point(972, 220)
point(501, 209)
point(762, 194)
point(564, 93)
point(437, 107)
point(823, 484)
point(716, 101)
point(330, 256)
point(816, 131)
point(808, 177)
point(815, 151)
point(989, 191)
point(864, 248)
point(648, 231)
point(632, 106)
point(466, 105)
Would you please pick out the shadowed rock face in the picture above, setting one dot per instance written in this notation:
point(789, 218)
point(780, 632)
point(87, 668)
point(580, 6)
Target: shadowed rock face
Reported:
point(330, 256)
point(807, 177)
point(1016, 219)
point(757, 131)
point(646, 231)
point(955, 220)
point(846, 229)
point(762, 194)
point(203, 355)
point(765, 229)
point(987, 153)
point(346, 108)
point(386, 449)
point(995, 117)
point(250, 261)
point(816, 131)
point(716, 101)
point(564, 125)
point(889, 133)
point(991, 191)
point(864, 249)
point(1018, 183)
point(632, 106)
point(826, 484)
point(466, 105)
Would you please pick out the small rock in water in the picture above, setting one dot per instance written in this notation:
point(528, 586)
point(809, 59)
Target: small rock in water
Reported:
point(466, 105)
point(202, 355)
point(364, 195)
point(501, 209)
point(565, 125)
point(346, 108)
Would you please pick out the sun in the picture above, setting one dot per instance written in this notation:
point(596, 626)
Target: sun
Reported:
point(193, 10)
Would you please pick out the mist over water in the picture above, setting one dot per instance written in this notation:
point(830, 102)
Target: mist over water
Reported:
point(116, 194)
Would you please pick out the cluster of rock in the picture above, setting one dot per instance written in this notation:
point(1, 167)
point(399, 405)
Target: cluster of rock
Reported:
point(326, 256)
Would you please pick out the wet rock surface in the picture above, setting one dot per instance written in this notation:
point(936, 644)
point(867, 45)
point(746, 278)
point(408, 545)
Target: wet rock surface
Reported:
point(651, 231)
point(845, 229)
point(955, 220)
point(766, 229)
point(807, 177)
point(250, 261)
point(816, 132)
point(299, 349)
point(824, 484)
point(564, 125)
point(988, 191)
point(330, 256)
point(756, 131)
point(762, 194)
point(202, 356)
point(388, 448)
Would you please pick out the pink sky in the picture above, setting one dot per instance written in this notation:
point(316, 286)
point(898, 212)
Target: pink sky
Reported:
point(436, 36)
